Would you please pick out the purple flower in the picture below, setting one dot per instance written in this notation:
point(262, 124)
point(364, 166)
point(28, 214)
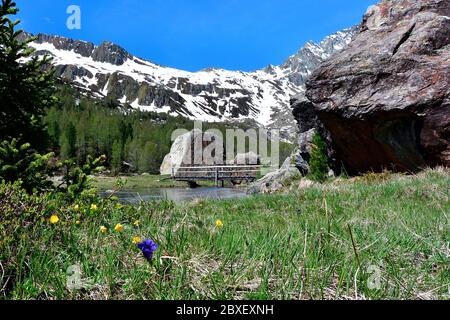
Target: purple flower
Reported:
point(148, 247)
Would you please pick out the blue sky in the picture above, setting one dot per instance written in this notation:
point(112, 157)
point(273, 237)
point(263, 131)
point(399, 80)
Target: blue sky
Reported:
point(195, 34)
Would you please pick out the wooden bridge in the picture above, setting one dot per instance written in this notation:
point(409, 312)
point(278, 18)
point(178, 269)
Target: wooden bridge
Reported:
point(218, 174)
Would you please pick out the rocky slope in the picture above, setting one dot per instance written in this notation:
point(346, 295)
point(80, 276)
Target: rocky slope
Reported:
point(109, 71)
point(384, 101)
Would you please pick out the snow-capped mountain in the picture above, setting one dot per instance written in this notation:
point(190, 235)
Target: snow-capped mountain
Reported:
point(109, 71)
point(298, 67)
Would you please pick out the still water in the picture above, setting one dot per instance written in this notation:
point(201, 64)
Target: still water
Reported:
point(178, 194)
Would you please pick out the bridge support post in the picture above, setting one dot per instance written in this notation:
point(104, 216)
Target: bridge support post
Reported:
point(192, 184)
point(217, 177)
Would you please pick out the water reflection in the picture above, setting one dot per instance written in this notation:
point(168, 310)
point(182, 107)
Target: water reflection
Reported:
point(177, 194)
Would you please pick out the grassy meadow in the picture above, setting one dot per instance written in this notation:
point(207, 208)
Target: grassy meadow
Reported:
point(136, 183)
point(373, 237)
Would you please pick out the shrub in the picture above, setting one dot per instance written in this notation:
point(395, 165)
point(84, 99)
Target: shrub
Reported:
point(76, 180)
point(20, 216)
point(22, 163)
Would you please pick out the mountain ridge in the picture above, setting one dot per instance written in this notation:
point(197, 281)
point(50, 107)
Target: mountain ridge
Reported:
point(108, 71)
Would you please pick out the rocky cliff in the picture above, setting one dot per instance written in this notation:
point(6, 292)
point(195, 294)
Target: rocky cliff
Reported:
point(384, 101)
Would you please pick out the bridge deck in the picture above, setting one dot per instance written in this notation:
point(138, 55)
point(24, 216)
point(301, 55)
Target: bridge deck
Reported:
point(217, 173)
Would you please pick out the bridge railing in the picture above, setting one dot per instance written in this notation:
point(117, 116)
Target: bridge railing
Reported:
point(217, 173)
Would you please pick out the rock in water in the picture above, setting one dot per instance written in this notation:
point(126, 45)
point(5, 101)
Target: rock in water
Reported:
point(385, 99)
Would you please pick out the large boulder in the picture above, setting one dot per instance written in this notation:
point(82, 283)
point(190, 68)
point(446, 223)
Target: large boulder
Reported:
point(193, 148)
point(249, 158)
point(275, 181)
point(384, 101)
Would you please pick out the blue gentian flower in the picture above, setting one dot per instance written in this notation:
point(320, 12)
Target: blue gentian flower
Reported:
point(148, 247)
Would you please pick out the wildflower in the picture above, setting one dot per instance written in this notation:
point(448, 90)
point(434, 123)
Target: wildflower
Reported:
point(118, 227)
point(78, 222)
point(148, 247)
point(103, 229)
point(219, 224)
point(136, 240)
point(94, 207)
point(137, 223)
point(76, 207)
point(54, 219)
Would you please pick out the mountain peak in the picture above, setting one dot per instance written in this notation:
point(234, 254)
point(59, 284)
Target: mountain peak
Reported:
point(110, 53)
point(300, 65)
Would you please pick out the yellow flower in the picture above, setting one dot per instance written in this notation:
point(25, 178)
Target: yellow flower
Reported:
point(137, 223)
point(94, 207)
point(118, 227)
point(78, 222)
point(136, 240)
point(76, 207)
point(54, 219)
point(219, 224)
point(103, 229)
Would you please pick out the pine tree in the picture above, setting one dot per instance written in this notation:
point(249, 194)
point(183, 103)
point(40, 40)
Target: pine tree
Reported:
point(318, 163)
point(20, 162)
point(25, 90)
point(53, 128)
point(68, 142)
point(146, 161)
point(116, 157)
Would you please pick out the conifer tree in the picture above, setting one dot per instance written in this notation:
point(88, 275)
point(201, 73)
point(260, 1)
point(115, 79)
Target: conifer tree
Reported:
point(68, 142)
point(116, 157)
point(25, 89)
point(318, 163)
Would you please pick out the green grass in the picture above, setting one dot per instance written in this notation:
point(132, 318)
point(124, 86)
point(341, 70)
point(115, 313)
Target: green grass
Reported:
point(325, 242)
point(139, 183)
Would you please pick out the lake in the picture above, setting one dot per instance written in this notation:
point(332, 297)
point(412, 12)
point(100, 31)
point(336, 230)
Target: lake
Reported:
point(178, 194)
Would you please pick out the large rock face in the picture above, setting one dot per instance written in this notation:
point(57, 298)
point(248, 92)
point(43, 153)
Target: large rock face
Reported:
point(384, 101)
point(309, 125)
